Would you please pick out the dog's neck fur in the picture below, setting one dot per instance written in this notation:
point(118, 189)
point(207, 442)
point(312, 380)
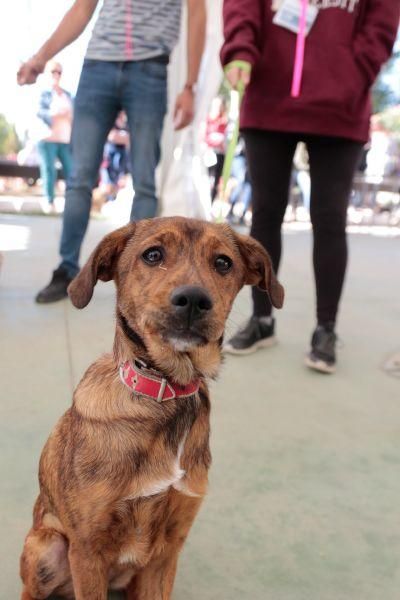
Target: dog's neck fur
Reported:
point(131, 334)
point(181, 367)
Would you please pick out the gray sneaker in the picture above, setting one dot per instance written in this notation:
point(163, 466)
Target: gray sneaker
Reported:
point(254, 335)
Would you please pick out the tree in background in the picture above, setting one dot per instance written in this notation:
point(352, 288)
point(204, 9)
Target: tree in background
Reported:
point(9, 141)
point(389, 120)
point(383, 94)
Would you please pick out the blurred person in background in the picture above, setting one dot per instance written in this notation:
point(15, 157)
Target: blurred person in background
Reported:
point(240, 196)
point(115, 159)
point(321, 97)
point(216, 126)
point(55, 114)
point(302, 169)
point(125, 68)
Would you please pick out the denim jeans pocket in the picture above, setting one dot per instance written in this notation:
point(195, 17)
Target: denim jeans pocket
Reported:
point(154, 69)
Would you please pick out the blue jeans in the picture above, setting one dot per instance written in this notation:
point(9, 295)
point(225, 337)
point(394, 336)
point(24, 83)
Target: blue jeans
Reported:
point(139, 88)
point(49, 152)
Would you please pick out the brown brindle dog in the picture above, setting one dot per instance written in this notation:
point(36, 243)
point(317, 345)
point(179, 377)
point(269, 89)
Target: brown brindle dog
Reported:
point(124, 472)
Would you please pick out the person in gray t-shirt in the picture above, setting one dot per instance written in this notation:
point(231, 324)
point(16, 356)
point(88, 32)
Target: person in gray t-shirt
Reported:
point(125, 68)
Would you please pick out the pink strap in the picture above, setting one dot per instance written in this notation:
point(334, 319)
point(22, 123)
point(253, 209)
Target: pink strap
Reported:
point(300, 45)
point(128, 30)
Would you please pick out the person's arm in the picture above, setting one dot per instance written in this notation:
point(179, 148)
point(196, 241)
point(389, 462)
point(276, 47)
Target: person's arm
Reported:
point(374, 42)
point(71, 26)
point(242, 21)
point(197, 18)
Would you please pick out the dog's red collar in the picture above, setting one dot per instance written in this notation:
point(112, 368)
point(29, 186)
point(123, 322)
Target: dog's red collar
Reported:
point(152, 384)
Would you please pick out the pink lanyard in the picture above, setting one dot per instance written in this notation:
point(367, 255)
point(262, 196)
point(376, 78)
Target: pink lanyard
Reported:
point(128, 30)
point(300, 45)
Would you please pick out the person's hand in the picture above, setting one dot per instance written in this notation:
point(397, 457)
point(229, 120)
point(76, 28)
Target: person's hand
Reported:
point(30, 70)
point(118, 137)
point(238, 71)
point(184, 109)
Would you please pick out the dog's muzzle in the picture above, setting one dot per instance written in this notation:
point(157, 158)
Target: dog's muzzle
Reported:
point(190, 304)
point(188, 320)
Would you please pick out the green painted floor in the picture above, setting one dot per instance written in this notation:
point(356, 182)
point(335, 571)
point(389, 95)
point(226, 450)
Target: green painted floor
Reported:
point(305, 485)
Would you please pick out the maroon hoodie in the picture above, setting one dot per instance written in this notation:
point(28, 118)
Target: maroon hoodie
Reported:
point(344, 51)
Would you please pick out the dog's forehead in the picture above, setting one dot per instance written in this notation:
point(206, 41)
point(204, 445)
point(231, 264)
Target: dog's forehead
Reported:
point(183, 230)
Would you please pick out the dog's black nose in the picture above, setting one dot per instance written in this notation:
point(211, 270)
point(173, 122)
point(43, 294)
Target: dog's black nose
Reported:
point(191, 302)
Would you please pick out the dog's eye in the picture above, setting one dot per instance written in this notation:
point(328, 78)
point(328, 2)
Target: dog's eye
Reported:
point(153, 256)
point(223, 264)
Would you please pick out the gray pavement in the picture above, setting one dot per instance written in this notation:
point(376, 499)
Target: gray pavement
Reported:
point(305, 488)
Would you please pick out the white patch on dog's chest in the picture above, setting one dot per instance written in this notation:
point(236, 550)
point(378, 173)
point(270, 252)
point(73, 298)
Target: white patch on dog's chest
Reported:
point(134, 554)
point(173, 479)
point(162, 485)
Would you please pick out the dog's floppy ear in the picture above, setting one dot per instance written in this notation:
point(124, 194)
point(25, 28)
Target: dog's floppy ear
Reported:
point(259, 270)
point(100, 265)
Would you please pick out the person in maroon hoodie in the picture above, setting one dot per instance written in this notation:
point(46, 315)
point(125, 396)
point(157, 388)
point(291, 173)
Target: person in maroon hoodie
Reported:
point(308, 68)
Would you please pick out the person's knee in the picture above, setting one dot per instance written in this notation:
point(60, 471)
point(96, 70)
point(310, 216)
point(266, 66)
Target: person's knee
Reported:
point(328, 222)
point(269, 217)
point(83, 179)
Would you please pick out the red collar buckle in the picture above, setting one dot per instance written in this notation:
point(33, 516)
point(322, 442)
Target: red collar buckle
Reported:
point(150, 383)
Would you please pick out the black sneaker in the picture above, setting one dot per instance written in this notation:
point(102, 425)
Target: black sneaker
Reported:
point(322, 356)
point(56, 289)
point(256, 334)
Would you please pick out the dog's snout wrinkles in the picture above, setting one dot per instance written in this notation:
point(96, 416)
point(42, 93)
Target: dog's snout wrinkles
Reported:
point(191, 302)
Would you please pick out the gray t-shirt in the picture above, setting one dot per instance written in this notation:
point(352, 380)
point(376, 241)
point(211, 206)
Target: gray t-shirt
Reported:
point(135, 29)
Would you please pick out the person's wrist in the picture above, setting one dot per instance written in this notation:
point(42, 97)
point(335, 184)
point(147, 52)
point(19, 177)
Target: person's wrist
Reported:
point(39, 60)
point(190, 87)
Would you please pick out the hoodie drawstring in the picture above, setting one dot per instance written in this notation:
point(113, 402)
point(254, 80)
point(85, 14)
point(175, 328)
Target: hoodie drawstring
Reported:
point(300, 46)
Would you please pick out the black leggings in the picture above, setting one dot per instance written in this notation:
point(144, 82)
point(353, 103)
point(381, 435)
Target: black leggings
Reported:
point(217, 170)
point(333, 162)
